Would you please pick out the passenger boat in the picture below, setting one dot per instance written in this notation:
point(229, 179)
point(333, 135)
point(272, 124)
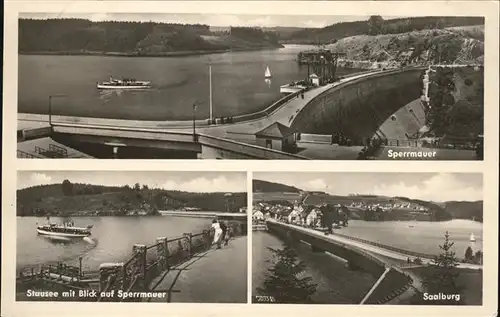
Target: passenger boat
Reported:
point(65, 230)
point(125, 83)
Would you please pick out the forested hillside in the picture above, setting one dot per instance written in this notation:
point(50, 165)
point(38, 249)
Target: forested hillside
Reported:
point(68, 199)
point(270, 187)
point(376, 25)
point(79, 36)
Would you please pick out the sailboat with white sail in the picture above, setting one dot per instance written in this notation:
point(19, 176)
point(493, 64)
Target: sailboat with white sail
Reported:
point(267, 74)
point(472, 238)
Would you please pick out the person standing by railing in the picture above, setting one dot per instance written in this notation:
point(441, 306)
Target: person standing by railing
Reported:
point(223, 226)
point(228, 235)
point(217, 233)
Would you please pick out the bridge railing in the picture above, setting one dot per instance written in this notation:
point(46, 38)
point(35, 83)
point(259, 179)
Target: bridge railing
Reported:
point(246, 149)
point(380, 245)
point(22, 154)
point(148, 262)
point(388, 247)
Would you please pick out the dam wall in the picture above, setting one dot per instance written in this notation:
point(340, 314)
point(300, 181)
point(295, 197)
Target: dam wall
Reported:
point(359, 107)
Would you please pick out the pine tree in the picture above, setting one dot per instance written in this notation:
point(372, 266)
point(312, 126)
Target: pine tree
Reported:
point(285, 281)
point(443, 273)
point(469, 254)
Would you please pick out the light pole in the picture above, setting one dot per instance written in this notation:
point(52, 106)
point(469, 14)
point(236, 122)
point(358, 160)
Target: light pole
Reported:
point(50, 105)
point(194, 121)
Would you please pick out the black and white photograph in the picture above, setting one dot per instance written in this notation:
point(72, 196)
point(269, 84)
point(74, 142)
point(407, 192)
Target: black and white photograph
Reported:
point(99, 236)
point(366, 238)
point(233, 86)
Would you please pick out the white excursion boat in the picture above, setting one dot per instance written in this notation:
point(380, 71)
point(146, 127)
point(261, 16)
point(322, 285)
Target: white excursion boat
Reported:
point(125, 83)
point(267, 74)
point(65, 230)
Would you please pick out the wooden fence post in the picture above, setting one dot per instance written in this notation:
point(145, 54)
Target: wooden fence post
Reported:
point(161, 253)
point(141, 250)
point(206, 239)
point(124, 284)
point(80, 271)
point(106, 270)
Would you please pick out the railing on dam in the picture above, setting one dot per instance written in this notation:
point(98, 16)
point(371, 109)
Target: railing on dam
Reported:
point(388, 247)
point(267, 111)
point(244, 149)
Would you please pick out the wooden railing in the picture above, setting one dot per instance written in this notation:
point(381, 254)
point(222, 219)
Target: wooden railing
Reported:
point(148, 262)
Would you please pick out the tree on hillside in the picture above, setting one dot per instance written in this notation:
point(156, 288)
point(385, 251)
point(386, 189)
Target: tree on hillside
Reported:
point(442, 277)
point(67, 188)
point(285, 280)
point(478, 257)
point(375, 25)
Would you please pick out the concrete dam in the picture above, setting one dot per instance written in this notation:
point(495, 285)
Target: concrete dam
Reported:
point(358, 108)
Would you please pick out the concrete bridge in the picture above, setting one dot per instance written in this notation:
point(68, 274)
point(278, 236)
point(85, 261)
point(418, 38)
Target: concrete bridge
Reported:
point(386, 263)
point(355, 106)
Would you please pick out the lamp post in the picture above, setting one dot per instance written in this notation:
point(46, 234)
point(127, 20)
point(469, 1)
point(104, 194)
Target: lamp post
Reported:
point(50, 105)
point(194, 121)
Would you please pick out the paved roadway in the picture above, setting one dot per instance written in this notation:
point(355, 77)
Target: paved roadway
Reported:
point(214, 276)
point(370, 248)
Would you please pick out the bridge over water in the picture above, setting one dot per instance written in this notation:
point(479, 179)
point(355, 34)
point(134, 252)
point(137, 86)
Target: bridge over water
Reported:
point(387, 264)
point(356, 106)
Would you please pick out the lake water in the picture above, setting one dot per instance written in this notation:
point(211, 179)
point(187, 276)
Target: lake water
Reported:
point(419, 236)
point(115, 237)
point(238, 84)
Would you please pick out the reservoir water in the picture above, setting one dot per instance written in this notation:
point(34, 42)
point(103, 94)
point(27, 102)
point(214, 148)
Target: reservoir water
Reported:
point(115, 237)
point(419, 236)
point(238, 84)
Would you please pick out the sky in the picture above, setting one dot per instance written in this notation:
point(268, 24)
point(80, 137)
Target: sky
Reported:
point(437, 187)
point(303, 21)
point(184, 181)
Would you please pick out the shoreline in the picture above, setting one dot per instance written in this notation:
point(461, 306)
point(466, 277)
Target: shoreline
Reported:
point(134, 54)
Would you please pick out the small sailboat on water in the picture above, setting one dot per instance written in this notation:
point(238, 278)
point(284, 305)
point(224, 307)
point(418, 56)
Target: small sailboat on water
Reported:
point(267, 74)
point(472, 238)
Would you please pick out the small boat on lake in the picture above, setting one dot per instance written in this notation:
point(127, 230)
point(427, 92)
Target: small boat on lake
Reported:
point(267, 74)
point(472, 238)
point(125, 83)
point(65, 230)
